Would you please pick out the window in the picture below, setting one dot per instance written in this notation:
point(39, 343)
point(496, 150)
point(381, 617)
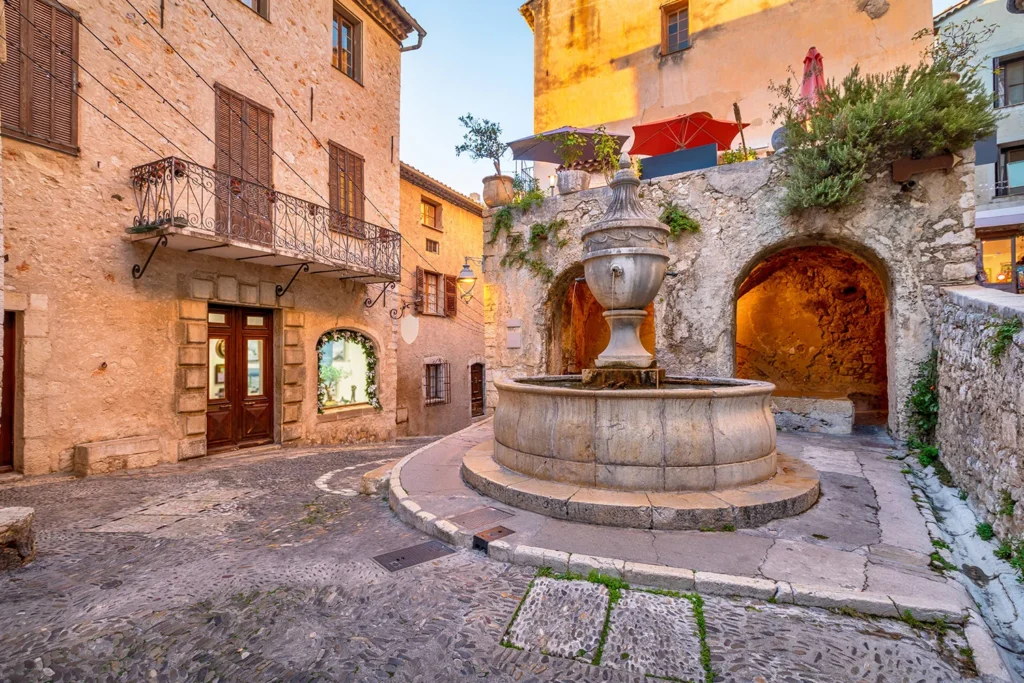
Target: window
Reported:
point(1002, 262)
point(430, 214)
point(437, 384)
point(433, 247)
point(1009, 82)
point(260, 7)
point(38, 101)
point(675, 28)
point(436, 294)
point(347, 44)
point(244, 138)
point(346, 191)
point(1010, 172)
point(343, 373)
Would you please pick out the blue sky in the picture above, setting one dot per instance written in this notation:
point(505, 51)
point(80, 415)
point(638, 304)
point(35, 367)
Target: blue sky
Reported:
point(477, 58)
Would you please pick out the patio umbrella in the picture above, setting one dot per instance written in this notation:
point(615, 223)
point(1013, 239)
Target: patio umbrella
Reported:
point(684, 132)
point(813, 87)
point(537, 148)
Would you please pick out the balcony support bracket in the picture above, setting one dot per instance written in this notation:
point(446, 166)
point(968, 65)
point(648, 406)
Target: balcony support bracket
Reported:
point(281, 291)
point(137, 270)
point(370, 303)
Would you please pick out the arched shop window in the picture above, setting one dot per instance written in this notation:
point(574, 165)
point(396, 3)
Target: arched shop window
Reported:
point(347, 371)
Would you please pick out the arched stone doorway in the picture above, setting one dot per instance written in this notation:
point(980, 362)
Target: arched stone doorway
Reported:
point(578, 332)
point(812, 320)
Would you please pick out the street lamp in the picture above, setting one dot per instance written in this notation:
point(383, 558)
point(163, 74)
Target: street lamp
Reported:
point(467, 279)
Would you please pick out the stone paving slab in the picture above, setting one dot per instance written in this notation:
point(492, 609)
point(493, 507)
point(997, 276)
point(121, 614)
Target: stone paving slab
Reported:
point(757, 641)
point(562, 618)
point(137, 524)
point(654, 635)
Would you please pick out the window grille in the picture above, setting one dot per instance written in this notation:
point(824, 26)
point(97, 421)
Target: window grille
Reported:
point(437, 384)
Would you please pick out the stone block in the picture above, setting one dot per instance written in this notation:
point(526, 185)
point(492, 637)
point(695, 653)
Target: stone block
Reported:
point(710, 583)
point(294, 319)
point(815, 415)
point(542, 557)
point(35, 324)
point(424, 521)
point(15, 301)
point(292, 337)
point(38, 302)
point(294, 356)
point(658, 576)
point(192, 355)
point(201, 289)
point(987, 660)
point(584, 564)
point(189, 309)
point(191, 402)
point(35, 418)
point(195, 425)
point(451, 534)
point(294, 374)
point(500, 551)
point(291, 432)
point(268, 294)
point(290, 413)
point(227, 288)
point(17, 542)
point(876, 605)
point(249, 294)
point(286, 300)
point(292, 394)
point(195, 333)
point(610, 508)
point(35, 355)
point(407, 511)
point(561, 618)
point(689, 511)
point(193, 378)
point(191, 448)
point(101, 457)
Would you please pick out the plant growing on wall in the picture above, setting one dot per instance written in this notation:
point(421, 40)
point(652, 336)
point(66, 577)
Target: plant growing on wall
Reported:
point(527, 195)
point(523, 252)
point(607, 149)
point(923, 403)
point(954, 46)
point(677, 219)
point(859, 126)
point(1002, 337)
point(735, 156)
point(482, 141)
point(370, 351)
point(569, 146)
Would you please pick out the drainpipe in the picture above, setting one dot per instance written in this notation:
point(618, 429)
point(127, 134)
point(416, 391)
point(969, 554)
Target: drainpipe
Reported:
point(420, 33)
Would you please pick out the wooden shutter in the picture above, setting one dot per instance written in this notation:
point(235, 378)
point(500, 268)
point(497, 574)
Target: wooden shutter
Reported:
point(420, 293)
point(244, 139)
point(451, 295)
point(11, 71)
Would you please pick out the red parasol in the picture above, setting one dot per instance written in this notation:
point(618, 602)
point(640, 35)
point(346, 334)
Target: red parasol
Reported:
point(813, 87)
point(684, 132)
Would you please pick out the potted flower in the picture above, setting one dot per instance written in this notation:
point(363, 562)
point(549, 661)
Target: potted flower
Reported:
point(483, 141)
point(569, 146)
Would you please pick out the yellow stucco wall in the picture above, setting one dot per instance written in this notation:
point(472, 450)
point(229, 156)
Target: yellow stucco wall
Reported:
point(599, 61)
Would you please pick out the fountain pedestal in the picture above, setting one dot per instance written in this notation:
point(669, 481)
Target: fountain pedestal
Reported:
point(623, 378)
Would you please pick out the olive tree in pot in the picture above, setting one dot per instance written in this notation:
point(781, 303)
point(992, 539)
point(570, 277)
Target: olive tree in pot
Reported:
point(483, 141)
point(569, 146)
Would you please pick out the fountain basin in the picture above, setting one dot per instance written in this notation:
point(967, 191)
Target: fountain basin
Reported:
point(690, 434)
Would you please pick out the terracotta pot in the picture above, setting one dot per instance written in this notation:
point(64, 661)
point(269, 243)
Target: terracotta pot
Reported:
point(571, 181)
point(497, 190)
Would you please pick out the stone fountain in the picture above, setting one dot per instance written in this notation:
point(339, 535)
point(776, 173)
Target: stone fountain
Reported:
point(624, 444)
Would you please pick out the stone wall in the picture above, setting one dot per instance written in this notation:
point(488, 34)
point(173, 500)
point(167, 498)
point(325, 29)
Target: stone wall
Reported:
point(981, 402)
point(915, 241)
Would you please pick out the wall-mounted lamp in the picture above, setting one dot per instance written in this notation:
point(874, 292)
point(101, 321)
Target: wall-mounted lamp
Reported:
point(467, 279)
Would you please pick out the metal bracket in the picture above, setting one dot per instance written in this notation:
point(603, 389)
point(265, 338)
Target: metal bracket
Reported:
point(137, 270)
point(370, 303)
point(281, 291)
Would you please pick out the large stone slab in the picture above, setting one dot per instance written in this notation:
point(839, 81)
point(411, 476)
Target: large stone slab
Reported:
point(561, 618)
point(654, 635)
point(17, 543)
point(102, 457)
point(815, 415)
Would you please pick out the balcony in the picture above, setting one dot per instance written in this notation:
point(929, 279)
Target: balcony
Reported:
point(202, 210)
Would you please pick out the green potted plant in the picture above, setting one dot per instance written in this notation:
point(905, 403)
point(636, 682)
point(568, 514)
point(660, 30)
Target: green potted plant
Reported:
point(569, 146)
point(483, 141)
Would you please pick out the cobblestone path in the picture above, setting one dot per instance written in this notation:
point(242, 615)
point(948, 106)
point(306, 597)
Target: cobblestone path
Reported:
point(247, 570)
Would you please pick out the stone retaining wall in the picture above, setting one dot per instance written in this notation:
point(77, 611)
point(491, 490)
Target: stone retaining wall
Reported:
point(981, 421)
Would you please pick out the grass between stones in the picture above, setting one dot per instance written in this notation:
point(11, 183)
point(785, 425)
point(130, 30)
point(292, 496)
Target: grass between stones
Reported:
point(615, 587)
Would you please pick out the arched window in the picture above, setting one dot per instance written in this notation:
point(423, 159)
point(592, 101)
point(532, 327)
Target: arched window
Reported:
point(347, 371)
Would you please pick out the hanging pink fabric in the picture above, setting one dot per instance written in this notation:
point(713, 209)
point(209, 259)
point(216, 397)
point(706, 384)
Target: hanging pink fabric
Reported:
point(813, 87)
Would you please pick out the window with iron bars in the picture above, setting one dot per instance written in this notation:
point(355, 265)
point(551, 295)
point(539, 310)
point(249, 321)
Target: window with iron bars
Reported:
point(437, 384)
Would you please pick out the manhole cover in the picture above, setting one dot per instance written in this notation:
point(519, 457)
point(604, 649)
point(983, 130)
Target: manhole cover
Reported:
point(474, 519)
point(482, 539)
point(417, 554)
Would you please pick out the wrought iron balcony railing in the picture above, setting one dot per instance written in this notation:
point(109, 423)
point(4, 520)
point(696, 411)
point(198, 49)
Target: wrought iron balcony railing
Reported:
point(178, 196)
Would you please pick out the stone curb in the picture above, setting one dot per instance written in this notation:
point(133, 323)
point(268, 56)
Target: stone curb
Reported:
point(991, 668)
point(657, 576)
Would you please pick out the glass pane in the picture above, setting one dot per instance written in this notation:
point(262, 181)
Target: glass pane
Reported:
point(334, 43)
point(1015, 73)
point(997, 261)
point(342, 374)
point(254, 356)
point(1015, 173)
point(217, 368)
point(254, 320)
point(218, 318)
point(1015, 94)
point(1020, 265)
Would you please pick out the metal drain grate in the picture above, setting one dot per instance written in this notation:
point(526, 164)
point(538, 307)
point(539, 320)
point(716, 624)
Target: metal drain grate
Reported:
point(474, 519)
point(409, 557)
point(482, 539)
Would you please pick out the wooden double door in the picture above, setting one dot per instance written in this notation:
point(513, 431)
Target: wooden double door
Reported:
point(240, 403)
point(476, 388)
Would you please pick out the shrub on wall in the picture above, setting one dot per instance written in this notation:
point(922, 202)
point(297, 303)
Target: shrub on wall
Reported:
point(923, 403)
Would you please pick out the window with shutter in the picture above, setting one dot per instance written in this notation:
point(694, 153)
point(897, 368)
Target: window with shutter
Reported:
point(346, 190)
point(38, 96)
point(420, 277)
point(244, 138)
point(451, 295)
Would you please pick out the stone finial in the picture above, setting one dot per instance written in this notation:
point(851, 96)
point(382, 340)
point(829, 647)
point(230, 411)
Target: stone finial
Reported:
point(625, 161)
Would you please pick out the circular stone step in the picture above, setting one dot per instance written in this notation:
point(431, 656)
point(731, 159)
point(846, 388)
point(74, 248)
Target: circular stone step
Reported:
point(794, 489)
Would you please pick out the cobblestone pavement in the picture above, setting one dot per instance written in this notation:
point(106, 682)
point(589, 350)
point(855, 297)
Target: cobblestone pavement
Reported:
point(246, 569)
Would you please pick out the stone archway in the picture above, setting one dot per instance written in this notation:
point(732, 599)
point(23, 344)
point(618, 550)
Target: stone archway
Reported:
point(577, 330)
point(812, 320)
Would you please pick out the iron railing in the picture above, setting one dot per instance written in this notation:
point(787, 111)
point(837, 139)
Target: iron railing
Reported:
point(174, 193)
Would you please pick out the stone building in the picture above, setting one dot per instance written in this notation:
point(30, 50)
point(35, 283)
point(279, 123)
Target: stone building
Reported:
point(192, 237)
point(664, 59)
point(836, 306)
point(1000, 158)
point(441, 338)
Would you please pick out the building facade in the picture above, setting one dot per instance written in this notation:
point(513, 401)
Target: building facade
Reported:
point(664, 59)
point(197, 219)
point(1000, 158)
point(441, 370)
